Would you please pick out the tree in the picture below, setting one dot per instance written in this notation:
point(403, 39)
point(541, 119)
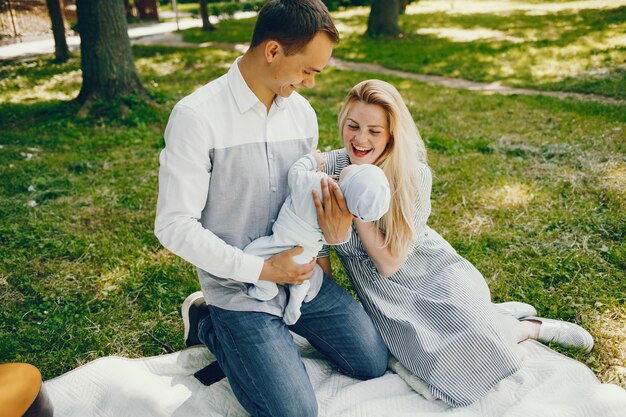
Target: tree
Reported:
point(129, 10)
point(383, 19)
point(402, 5)
point(61, 51)
point(204, 12)
point(106, 56)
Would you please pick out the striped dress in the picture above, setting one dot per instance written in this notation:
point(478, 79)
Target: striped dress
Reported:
point(435, 313)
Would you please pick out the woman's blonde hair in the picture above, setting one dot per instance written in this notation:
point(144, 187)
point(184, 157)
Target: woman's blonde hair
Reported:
point(398, 160)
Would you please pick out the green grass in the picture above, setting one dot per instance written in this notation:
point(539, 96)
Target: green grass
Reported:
point(230, 31)
point(193, 8)
point(571, 50)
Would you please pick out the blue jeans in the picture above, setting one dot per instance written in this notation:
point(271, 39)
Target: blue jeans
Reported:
point(262, 362)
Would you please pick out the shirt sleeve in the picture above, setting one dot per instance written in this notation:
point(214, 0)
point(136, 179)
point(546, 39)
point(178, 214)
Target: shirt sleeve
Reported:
point(324, 252)
point(184, 177)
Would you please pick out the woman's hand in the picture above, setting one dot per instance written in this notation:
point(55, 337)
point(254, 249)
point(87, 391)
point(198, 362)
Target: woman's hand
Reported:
point(333, 216)
point(281, 268)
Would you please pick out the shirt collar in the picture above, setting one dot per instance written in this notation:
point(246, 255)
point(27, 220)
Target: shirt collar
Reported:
point(244, 97)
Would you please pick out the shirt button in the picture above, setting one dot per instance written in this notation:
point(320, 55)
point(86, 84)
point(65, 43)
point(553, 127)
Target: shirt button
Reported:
point(273, 188)
point(271, 155)
point(272, 221)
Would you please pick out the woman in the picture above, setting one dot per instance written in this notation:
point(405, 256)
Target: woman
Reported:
point(432, 307)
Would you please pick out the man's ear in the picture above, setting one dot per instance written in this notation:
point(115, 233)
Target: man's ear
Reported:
point(272, 50)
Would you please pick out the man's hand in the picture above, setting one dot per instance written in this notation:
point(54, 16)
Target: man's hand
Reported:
point(281, 269)
point(333, 216)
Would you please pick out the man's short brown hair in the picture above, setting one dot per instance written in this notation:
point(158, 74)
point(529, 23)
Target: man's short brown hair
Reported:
point(293, 23)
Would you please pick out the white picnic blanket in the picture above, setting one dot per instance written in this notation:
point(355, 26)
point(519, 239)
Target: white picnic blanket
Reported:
point(548, 385)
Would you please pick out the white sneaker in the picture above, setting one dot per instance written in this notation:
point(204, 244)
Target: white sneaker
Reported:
point(517, 309)
point(564, 333)
point(193, 309)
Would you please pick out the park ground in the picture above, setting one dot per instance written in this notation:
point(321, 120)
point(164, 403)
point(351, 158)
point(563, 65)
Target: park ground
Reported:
point(530, 188)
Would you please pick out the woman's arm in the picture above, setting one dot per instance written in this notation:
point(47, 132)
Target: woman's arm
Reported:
point(373, 239)
point(325, 264)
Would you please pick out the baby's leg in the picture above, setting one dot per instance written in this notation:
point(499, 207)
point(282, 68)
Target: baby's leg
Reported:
point(263, 290)
point(296, 297)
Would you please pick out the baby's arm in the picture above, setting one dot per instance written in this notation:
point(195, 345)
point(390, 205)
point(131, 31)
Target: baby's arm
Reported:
point(305, 174)
point(320, 159)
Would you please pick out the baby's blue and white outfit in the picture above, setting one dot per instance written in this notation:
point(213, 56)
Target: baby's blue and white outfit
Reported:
point(366, 190)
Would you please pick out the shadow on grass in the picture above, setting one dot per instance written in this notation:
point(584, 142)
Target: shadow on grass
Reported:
point(44, 119)
point(54, 124)
point(38, 68)
point(583, 109)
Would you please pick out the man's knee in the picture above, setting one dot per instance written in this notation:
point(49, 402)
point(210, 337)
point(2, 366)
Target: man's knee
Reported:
point(373, 365)
point(298, 406)
point(379, 364)
point(373, 358)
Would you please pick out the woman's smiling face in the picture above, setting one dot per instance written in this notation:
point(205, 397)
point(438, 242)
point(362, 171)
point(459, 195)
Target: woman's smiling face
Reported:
point(365, 133)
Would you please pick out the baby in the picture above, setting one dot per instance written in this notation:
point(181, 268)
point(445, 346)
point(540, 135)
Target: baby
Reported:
point(366, 190)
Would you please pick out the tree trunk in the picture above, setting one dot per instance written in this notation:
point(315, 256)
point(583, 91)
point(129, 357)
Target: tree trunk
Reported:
point(129, 10)
point(383, 20)
point(204, 12)
point(106, 56)
point(147, 9)
point(61, 51)
point(402, 6)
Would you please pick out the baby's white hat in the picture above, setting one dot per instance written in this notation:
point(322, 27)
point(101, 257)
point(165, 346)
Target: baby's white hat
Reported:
point(366, 190)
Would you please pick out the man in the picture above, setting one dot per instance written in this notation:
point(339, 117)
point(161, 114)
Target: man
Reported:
point(222, 181)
